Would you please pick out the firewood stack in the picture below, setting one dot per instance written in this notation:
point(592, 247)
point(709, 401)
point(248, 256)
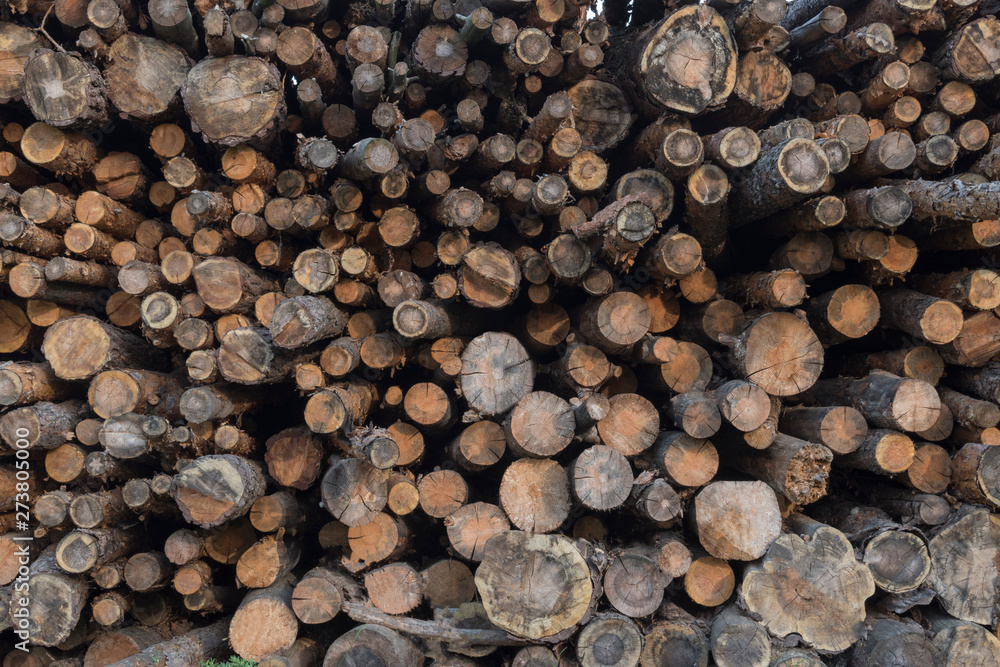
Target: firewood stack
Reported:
point(500, 332)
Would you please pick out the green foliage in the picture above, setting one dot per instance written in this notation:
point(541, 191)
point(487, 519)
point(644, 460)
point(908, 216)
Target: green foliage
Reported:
point(233, 661)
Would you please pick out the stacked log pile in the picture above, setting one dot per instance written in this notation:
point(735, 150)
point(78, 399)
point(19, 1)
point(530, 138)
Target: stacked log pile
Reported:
point(499, 332)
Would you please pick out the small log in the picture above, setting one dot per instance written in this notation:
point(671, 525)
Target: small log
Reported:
point(709, 581)
point(883, 451)
point(353, 491)
point(885, 400)
point(71, 153)
point(696, 413)
point(507, 381)
point(79, 101)
point(84, 550)
point(795, 468)
point(782, 176)
point(266, 562)
point(721, 523)
point(925, 317)
point(973, 474)
point(228, 285)
point(738, 640)
point(952, 56)
point(684, 460)
point(631, 424)
point(540, 425)
point(545, 505)
point(318, 596)
point(273, 603)
point(47, 425)
point(601, 478)
point(23, 383)
point(841, 429)
point(471, 526)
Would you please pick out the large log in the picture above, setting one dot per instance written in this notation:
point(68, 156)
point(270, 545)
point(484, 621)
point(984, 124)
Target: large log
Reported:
point(653, 61)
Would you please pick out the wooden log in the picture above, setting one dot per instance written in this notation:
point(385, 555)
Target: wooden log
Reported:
point(675, 636)
point(216, 488)
point(23, 383)
point(274, 603)
point(228, 285)
point(43, 425)
point(973, 532)
point(795, 468)
point(545, 505)
point(651, 80)
point(785, 371)
point(79, 100)
point(266, 562)
point(738, 640)
point(368, 640)
point(303, 320)
point(696, 413)
point(721, 523)
point(213, 87)
point(841, 429)
point(20, 233)
point(684, 460)
point(472, 525)
point(885, 400)
point(354, 491)
point(742, 404)
point(782, 176)
point(71, 153)
point(865, 43)
point(601, 478)
point(958, 639)
point(55, 604)
point(974, 344)
point(709, 581)
point(113, 393)
point(853, 585)
point(951, 200)
point(952, 56)
point(247, 356)
point(925, 317)
point(512, 550)
point(972, 474)
point(341, 405)
point(85, 549)
point(777, 289)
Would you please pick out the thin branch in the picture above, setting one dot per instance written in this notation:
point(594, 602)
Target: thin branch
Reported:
point(363, 613)
point(41, 29)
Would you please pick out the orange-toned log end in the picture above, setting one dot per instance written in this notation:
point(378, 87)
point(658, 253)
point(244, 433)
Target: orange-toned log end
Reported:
point(216, 488)
point(318, 596)
point(264, 623)
point(709, 581)
point(780, 354)
point(396, 588)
